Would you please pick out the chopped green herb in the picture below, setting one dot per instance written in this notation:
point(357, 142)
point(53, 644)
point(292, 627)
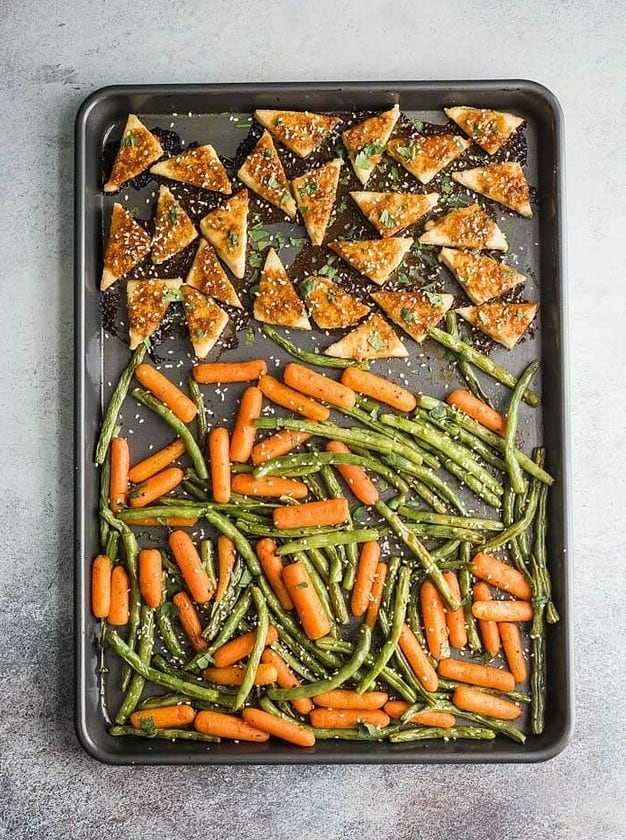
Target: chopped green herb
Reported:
point(172, 295)
point(302, 585)
point(417, 124)
point(199, 333)
point(306, 287)
point(446, 185)
point(330, 295)
point(328, 271)
point(134, 212)
point(147, 726)
point(438, 412)
point(375, 341)
point(482, 317)
point(267, 153)
point(249, 336)
point(273, 183)
point(311, 187)
point(406, 314)
point(368, 728)
point(255, 260)
point(130, 139)
point(173, 213)
point(386, 219)
point(279, 121)
point(405, 151)
point(233, 238)
point(363, 159)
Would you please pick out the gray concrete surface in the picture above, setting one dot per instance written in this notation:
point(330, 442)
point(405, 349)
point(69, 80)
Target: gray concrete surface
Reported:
point(52, 55)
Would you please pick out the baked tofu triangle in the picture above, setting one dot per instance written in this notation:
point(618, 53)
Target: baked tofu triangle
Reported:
point(506, 323)
point(415, 312)
point(226, 228)
point(501, 182)
point(200, 167)
point(138, 150)
point(376, 259)
point(482, 278)
point(127, 245)
point(207, 276)
point(366, 142)
point(173, 229)
point(490, 129)
point(330, 306)
point(205, 320)
point(148, 301)
point(315, 193)
point(426, 155)
point(373, 339)
point(263, 172)
point(277, 301)
point(300, 131)
point(390, 212)
point(465, 227)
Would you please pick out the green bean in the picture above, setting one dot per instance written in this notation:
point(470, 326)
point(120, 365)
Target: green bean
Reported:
point(144, 652)
point(541, 529)
point(471, 522)
point(445, 532)
point(193, 490)
point(256, 529)
point(427, 495)
point(338, 538)
point(112, 545)
point(513, 531)
point(309, 358)
point(196, 396)
point(168, 634)
point(395, 435)
point(226, 527)
point(445, 550)
point(413, 616)
point(349, 734)
point(301, 653)
point(159, 700)
point(224, 607)
point(514, 470)
point(465, 585)
point(517, 696)
point(465, 369)
point(430, 478)
point(207, 554)
point(315, 487)
point(204, 658)
point(166, 734)
point(109, 421)
point(454, 733)
point(105, 478)
point(351, 550)
point(294, 663)
point(520, 501)
point(257, 649)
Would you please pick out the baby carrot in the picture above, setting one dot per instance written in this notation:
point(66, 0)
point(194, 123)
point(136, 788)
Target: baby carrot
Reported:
point(347, 718)
point(474, 700)
point(481, 412)
point(120, 597)
point(417, 659)
point(286, 730)
point(427, 717)
point(164, 717)
point(219, 463)
point(503, 610)
point(189, 621)
point(365, 577)
point(355, 477)
point(306, 600)
point(233, 675)
point(318, 386)
point(210, 373)
point(226, 556)
point(500, 574)
point(155, 487)
point(228, 726)
point(513, 651)
point(118, 481)
point(488, 629)
point(345, 699)
point(191, 567)
point(327, 512)
point(455, 619)
point(376, 594)
point(271, 487)
point(240, 647)
point(170, 521)
point(101, 586)
point(150, 576)
point(476, 674)
point(287, 679)
point(154, 381)
point(155, 463)
point(276, 445)
point(244, 432)
point(378, 388)
point(282, 394)
point(434, 615)
point(272, 565)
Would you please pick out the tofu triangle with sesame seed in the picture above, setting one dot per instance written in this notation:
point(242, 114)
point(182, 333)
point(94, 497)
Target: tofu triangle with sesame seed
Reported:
point(315, 193)
point(128, 243)
point(207, 275)
point(262, 171)
point(366, 142)
point(375, 338)
point(200, 167)
point(138, 150)
point(465, 227)
point(173, 229)
point(148, 301)
point(391, 212)
point(277, 301)
point(505, 322)
point(424, 156)
point(415, 312)
point(375, 259)
point(501, 182)
point(226, 228)
point(205, 320)
point(482, 278)
point(489, 129)
point(330, 306)
point(302, 132)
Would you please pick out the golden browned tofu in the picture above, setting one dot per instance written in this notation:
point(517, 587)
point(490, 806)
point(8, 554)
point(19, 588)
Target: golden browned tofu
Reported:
point(127, 245)
point(226, 228)
point(376, 259)
point(173, 229)
point(277, 301)
point(330, 306)
point(390, 212)
point(482, 278)
point(425, 156)
point(205, 320)
point(490, 129)
point(200, 167)
point(415, 312)
point(263, 172)
point(300, 131)
point(207, 276)
point(138, 150)
point(315, 194)
point(148, 301)
point(366, 142)
point(502, 182)
point(506, 323)
point(466, 227)
point(373, 339)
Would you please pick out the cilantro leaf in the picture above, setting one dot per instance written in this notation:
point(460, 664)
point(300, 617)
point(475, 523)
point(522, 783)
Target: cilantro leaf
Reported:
point(386, 219)
point(406, 314)
point(130, 139)
point(375, 341)
point(233, 238)
point(306, 287)
point(363, 159)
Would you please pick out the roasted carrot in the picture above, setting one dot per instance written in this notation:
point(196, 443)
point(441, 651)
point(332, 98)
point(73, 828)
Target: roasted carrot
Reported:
point(505, 577)
point(318, 386)
point(154, 381)
point(287, 679)
point(503, 610)
point(120, 597)
point(226, 556)
point(474, 700)
point(101, 586)
point(155, 463)
point(219, 464)
point(378, 388)
point(276, 445)
point(365, 577)
point(488, 629)
point(327, 512)
point(170, 521)
point(434, 615)
point(155, 487)
point(210, 373)
point(272, 565)
point(228, 726)
point(271, 487)
point(242, 439)
point(481, 412)
point(345, 699)
point(234, 675)
point(455, 619)
point(376, 594)
point(355, 477)
point(150, 576)
point(240, 647)
point(427, 717)
point(513, 651)
point(306, 601)
point(164, 717)
point(347, 718)
point(476, 674)
point(282, 394)
point(118, 481)
point(419, 662)
point(286, 730)
point(191, 567)
point(189, 621)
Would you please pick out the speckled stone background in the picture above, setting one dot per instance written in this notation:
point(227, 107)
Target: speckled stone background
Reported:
point(52, 54)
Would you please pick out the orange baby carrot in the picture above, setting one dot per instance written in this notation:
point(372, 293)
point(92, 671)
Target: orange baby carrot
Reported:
point(513, 651)
point(376, 594)
point(474, 700)
point(327, 512)
point(282, 394)
point(476, 674)
point(503, 610)
point(500, 574)
point(272, 565)
point(101, 586)
point(355, 477)
point(378, 388)
point(164, 717)
point(270, 487)
point(219, 463)
point(427, 717)
point(276, 445)
point(170, 521)
point(347, 718)
point(244, 432)
point(488, 629)
point(227, 726)
point(480, 411)
point(286, 730)
point(120, 597)
point(434, 615)
point(150, 576)
point(286, 679)
point(455, 619)
point(210, 373)
point(345, 699)
point(306, 601)
point(189, 621)
point(365, 577)
point(226, 556)
point(155, 487)
point(318, 386)
point(118, 481)
point(234, 675)
point(155, 463)
point(240, 647)
point(154, 381)
point(191, 568)
point(419, 662)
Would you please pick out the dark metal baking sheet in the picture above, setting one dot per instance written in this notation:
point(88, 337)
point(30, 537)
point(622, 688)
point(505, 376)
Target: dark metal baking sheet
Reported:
point(200, 113)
